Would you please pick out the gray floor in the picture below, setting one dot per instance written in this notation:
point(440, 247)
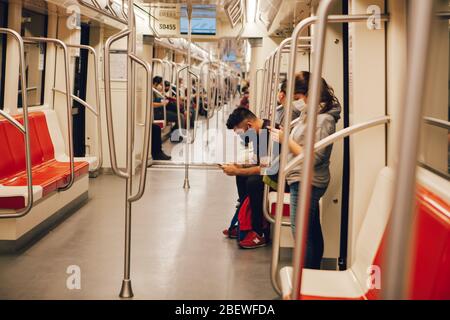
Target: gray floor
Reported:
point(178, 251)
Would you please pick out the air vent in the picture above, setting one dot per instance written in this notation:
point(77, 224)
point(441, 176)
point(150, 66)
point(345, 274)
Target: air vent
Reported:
point(235, 12)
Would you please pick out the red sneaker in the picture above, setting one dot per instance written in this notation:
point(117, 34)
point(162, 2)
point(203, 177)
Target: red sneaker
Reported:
point(232, 234)
point(253, 240)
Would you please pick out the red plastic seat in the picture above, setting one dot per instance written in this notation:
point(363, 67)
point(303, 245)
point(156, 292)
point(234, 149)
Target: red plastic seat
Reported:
point(273, 204)
point(430, 259)
point(47, 174)
point(430, 279)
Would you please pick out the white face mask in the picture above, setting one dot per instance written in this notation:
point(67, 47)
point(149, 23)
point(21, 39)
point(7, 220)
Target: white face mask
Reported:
point(299, 105)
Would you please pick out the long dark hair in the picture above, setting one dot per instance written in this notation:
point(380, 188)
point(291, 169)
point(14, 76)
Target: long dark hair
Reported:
point(327, 96)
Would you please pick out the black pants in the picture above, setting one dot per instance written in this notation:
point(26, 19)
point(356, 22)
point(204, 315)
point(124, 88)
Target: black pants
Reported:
point(156, 140)
point(253, 187)
point(171, 116)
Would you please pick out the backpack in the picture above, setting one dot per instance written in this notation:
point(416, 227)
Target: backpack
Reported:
point(244, 216)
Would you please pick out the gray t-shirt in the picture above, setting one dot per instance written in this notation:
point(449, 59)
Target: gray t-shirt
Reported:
point(326, 125)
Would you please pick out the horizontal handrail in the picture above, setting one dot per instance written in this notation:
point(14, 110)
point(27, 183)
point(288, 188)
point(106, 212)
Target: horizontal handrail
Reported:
point(28, 89)
point(22, 128)
point(79, 100)
point(341, 134)
point(68, 103)
point(437, 122)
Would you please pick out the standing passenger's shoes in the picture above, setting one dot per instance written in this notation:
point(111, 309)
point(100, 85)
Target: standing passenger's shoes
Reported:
point(253, 240)
point(231, 233)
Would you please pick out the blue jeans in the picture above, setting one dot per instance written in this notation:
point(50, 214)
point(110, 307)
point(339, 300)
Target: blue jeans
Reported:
point(314, 240)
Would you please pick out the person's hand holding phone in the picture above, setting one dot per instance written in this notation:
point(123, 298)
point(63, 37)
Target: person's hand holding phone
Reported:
point(230, 169)
point(277, 135)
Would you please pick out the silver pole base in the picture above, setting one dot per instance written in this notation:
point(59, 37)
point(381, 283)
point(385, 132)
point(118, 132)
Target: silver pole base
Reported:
point(126, 291)
point(186, 184)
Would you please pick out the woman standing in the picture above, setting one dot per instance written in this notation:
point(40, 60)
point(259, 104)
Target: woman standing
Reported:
point(328, 116)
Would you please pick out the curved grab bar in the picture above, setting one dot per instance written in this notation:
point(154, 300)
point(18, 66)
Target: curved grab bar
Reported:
point(96, 111)
point(147, 130)
point(213, 94)
point(301, 26)
point(197, 109)
point(22, 128)
point(181, 133)
point(341, 134)
point(208, 106)
point(68, 103)
point(108, 102)
point(161, 62)
point(307, 172)
point(277, 68)
point(278, 220)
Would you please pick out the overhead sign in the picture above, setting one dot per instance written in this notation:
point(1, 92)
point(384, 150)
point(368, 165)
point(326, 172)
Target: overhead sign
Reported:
point(166, 21)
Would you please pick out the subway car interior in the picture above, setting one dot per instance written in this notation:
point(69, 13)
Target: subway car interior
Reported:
point(225, 150)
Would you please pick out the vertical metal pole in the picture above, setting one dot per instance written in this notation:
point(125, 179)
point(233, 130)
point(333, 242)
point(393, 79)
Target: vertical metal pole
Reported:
point(399, 239)
point(284, 151)
point(186, 184)
point(278, 217)
point(219, 98)
point(126, 290)
point(307, 170)
point(208, 95)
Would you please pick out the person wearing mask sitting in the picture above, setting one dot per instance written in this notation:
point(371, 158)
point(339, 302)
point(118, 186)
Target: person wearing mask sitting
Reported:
point(159, 102)
point(328, 115)
point(249, 180)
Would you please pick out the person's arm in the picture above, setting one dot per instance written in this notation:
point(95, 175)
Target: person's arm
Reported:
point(293, 146)
point(237, 170)
point(250, 171)
point(159, 103)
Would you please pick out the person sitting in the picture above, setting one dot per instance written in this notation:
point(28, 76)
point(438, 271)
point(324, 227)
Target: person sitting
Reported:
point(157, 151)
point(245, 101)
point(249, 180)
point(159, 102)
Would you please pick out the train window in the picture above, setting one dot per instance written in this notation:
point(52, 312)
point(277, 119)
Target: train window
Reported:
point(34, 25)
point(203, 19)
point(435, 144)
point(3, 23)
